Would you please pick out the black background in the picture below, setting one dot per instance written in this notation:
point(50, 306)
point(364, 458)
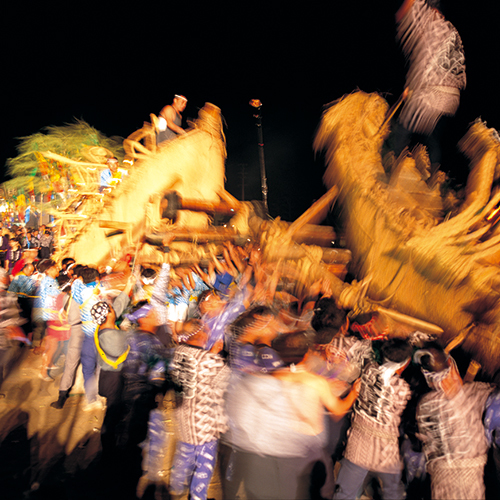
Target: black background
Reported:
point(113, 63)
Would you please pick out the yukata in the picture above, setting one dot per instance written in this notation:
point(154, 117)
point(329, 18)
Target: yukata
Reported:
point(216, 325)
point(437, 67)
point(85, 296)
point(455, 443)
point(177, 302)
point(182, 302)
point(23, 286)
point(199, 287)
point(373, 442)
point(342, 358)
point(47, 295)
point(158, 293)
point(200, 418)
point(492, 427)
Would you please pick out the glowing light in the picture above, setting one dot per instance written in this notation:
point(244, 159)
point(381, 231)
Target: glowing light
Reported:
point(255, 103)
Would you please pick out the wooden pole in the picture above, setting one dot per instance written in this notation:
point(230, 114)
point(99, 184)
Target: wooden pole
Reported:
point(315, 213)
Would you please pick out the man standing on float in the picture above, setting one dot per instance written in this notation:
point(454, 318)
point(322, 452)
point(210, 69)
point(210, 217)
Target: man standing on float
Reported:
point(170, 120)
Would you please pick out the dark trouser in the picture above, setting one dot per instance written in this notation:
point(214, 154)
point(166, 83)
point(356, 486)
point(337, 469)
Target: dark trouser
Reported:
point(138, 404)
point(269, 478)
point(352, 477)
point(26, 306)
point(111, 387)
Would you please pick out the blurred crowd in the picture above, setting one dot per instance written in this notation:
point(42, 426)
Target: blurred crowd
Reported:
point(268, 380)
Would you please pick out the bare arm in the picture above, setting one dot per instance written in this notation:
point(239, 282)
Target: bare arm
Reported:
point(230, 267)
point(336, 406)
point(235, 258)
point(130, 283)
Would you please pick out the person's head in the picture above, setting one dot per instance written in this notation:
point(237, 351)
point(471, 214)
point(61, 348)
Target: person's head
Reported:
point(145, 315)
point(102, 312)
point(66, 262)
point(49, 268)
point(254, 320)
point(179, 103)
point(112, 164)
point(193, 333)
point(70, 269)
point(28, 269)
point(439, 369)
point(210, 303)
point(77, 270)
point(328, 315)
point(148, 276)
point(292, 347)
point(431, 358)
point(396, 350)
point(89, 275)
point(64, 281)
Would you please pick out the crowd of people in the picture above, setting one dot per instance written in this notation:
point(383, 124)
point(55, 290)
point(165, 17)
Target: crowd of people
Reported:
point(290, 396)
point(270, 385)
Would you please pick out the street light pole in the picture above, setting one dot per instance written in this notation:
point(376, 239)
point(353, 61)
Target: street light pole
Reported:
point(255, 103)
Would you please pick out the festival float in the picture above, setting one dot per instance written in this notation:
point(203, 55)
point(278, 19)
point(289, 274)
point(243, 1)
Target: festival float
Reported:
point(419, 256)
point(415, 248)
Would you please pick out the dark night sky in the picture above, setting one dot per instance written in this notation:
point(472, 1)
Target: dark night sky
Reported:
point(112, 65)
